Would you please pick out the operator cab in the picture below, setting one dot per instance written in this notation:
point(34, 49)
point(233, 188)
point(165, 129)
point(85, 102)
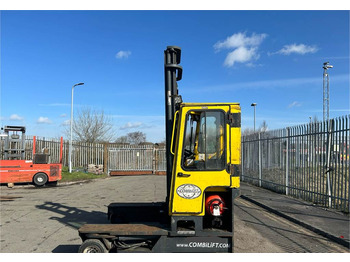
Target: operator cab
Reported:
point(206, 140)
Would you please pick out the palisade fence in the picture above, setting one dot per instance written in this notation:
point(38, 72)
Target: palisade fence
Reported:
point(144, 158)
point(137, 159)
point(309, 161)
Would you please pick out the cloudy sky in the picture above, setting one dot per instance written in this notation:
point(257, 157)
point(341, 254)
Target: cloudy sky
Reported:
point(272, 58)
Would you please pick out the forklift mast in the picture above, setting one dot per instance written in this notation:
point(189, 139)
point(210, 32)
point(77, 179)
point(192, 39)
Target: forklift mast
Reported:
point(14, 146)
point(173, 73)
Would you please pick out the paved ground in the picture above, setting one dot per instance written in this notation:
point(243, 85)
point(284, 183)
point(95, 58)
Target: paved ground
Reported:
point(333, 224)
point(46, 220)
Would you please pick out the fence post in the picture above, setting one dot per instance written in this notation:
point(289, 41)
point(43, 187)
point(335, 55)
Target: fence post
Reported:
point(154, 160)
point(105, 158)
point(329, 144)
point(287, 161)
point(259, 160)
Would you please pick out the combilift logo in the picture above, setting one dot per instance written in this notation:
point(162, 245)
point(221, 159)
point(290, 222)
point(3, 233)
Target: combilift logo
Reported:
point(188, 191)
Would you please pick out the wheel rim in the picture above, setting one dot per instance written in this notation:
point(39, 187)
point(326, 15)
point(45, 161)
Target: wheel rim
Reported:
point(40, 179)
point(92, 249)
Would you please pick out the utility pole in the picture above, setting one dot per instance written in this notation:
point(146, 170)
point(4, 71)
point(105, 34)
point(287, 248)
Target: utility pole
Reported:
point(326, 65)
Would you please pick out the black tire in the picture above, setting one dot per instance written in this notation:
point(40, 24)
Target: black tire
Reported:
point(40, 179)
point(92, 246)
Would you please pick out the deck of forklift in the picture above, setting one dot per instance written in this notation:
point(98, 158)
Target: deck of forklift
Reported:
point(122, 230)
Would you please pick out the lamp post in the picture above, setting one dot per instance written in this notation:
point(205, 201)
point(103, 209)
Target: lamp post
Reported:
point(254, 105)
point(325, 67)
point(71, 130)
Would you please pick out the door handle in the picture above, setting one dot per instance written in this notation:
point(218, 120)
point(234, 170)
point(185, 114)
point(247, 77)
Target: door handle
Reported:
point(183, 175)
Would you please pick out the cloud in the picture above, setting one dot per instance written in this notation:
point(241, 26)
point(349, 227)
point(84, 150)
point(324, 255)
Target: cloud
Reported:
point(245, 48)
point(66, 122)
point(123, 54)
point(16, 117)
point(294, 104)
point(300, 49)
point(130, 125)
point(43, 120)
point(63, 115)
point(239, 40)
point(241, 55)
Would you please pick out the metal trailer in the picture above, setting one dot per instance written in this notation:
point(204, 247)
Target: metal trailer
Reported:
point(16, 169)
point(203, 168)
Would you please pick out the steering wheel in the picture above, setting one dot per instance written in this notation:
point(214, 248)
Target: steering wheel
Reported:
point(188, 154)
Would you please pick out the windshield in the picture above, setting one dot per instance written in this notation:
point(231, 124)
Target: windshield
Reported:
point(204, 147)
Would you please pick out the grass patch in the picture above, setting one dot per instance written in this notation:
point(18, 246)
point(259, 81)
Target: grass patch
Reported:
point(78, 175)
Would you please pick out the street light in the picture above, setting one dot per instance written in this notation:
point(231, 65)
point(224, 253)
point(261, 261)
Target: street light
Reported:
point(71, 130)
point(326, 66)
point(254, 105)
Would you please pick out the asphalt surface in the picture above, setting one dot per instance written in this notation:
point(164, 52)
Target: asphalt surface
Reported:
point(326, 222)
point(45, 220)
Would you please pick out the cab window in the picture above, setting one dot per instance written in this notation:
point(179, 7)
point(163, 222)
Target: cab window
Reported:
point(204, 141)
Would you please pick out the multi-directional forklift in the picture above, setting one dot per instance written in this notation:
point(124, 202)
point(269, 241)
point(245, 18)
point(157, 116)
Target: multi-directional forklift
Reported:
point(203, 145)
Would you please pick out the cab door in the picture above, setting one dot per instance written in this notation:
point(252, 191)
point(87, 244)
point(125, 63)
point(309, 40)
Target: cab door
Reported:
point(201, 157)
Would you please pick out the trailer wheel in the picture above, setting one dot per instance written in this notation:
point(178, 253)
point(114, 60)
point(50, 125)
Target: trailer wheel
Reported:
point(92, 246)
point(40, 179)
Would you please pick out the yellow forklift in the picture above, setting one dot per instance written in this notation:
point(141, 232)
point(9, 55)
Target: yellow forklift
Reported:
point(203, 145)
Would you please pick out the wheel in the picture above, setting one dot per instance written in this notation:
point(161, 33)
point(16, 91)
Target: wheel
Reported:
point(92, 246)
point(40, 179)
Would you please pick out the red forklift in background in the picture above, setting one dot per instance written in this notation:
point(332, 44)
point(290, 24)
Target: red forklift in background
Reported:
point(14, 168)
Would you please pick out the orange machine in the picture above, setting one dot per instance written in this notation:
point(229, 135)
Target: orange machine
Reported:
point(15, 169)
